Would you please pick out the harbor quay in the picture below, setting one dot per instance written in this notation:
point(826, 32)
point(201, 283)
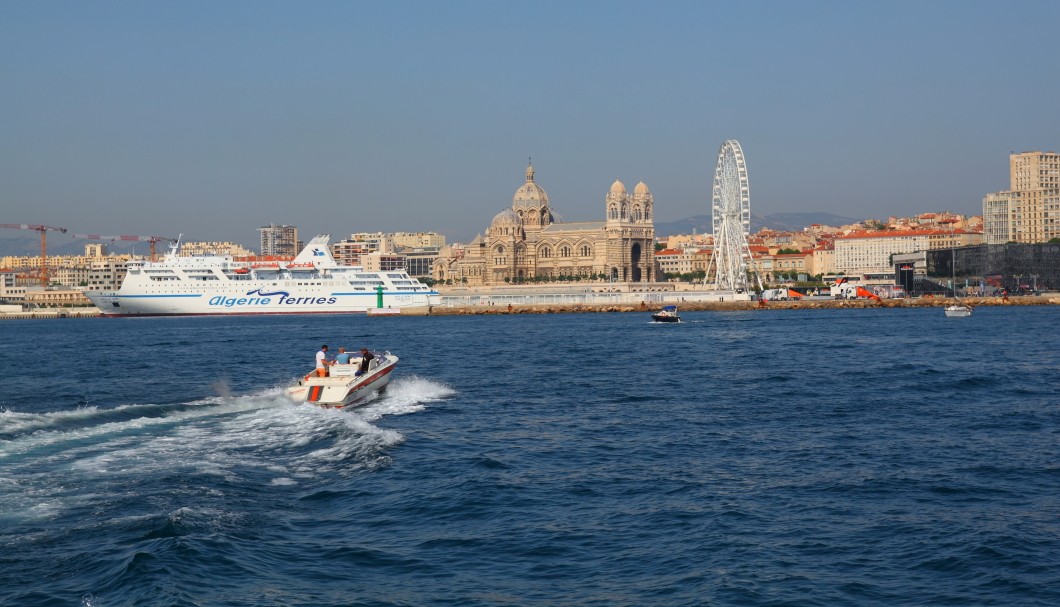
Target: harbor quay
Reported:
point(721, 305)
point(552, 304)
point(78, 312)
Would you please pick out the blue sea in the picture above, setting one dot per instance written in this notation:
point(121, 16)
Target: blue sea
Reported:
point(874, 457)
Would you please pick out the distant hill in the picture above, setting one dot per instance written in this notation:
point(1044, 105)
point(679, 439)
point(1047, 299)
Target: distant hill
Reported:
point(19, 246)
point(784, 222)
point(28, 243)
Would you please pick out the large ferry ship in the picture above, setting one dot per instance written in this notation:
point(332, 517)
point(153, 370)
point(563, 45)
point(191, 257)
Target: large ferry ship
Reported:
point(312, 283)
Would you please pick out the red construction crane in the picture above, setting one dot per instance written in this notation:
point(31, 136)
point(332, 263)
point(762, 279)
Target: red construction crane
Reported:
point(148, 239)
point(43, 244)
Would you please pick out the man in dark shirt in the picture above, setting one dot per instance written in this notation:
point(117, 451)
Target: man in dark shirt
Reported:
point(366, 357)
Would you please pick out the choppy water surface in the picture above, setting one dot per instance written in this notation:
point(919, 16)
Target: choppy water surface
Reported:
point(816, 457)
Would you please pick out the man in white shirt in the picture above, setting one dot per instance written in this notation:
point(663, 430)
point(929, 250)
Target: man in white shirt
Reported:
point(322, 361)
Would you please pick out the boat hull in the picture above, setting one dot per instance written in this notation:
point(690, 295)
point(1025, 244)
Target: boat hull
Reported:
point(341, 390)
point(958, 311)
point(116, 303)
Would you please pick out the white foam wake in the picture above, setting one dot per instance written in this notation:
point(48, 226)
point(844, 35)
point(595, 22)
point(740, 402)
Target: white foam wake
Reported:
point(263, 436)
point(404, 396)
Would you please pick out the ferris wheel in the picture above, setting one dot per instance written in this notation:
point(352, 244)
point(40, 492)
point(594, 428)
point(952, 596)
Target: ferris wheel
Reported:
point(731, 259)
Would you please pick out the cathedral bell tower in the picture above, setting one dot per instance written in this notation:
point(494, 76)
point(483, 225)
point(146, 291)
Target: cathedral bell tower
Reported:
point(616, 203)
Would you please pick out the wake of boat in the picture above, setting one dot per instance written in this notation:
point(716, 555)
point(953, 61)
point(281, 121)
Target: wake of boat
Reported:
point(404, 396)
point(83, 422)
point(55, 462)
point(62, 462)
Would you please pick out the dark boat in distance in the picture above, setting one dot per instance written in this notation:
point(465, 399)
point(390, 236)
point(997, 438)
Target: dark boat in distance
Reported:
point(667, 314)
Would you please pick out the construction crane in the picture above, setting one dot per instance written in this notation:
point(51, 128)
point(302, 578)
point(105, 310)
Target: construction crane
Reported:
point(43, 244)
point(148, 239)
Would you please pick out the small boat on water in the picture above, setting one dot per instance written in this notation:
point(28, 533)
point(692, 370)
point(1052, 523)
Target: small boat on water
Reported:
point(344, 387)
point(667, 314)
point(956, 309)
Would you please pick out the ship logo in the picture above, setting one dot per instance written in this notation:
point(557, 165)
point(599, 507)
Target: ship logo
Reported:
point(264, 294)
point(318, 253)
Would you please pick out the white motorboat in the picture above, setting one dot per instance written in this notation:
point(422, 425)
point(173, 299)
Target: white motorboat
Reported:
point(344, 387)
point(956, 309)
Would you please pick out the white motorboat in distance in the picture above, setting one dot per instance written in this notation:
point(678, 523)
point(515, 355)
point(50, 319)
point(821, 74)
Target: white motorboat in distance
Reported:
point(343, 387)
point(956, 309)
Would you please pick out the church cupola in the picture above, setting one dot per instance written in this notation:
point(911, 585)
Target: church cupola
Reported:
point(616, 203)
point(530, 203)
point(641, 208)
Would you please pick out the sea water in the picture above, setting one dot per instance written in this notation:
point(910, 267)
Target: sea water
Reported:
point(779, 457)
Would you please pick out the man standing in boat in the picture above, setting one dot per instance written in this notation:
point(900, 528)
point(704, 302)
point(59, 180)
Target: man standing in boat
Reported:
point(322, 361)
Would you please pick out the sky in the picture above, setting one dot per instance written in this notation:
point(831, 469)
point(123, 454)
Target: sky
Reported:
point(214, 118)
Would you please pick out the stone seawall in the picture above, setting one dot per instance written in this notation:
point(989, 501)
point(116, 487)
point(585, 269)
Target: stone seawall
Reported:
point(823, 304)
point(52, 313)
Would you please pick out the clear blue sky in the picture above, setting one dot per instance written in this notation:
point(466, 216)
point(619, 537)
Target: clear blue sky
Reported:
point(213, 118)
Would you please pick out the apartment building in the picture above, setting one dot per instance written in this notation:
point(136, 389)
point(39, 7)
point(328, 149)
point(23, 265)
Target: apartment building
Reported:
point(870, 252)
point(104, 274)
point(189, 249)
point(281, 240)
point(1029, 211)
point(10, 290)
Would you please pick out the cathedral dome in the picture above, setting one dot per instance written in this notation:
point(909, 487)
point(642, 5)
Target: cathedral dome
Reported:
point(642, 188)
point(530, 194)
point(505, 219)
point(618, 187)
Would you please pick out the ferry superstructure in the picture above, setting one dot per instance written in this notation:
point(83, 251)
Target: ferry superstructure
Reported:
point(313, 283)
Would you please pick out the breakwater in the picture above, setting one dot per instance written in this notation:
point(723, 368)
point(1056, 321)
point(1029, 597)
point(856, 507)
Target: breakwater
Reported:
point(692, 306)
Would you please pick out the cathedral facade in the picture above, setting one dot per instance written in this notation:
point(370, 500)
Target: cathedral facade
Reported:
point(525, 243)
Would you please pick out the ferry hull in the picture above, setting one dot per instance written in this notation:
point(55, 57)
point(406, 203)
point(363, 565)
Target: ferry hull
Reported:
point(115, 303)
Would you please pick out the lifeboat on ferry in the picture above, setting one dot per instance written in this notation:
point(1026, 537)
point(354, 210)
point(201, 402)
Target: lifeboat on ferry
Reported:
point(265, 265)
point(241, 271)
point(344, 387)
point(301, 266)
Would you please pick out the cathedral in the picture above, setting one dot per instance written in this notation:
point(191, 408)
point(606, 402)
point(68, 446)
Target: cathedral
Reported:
point(524, 242)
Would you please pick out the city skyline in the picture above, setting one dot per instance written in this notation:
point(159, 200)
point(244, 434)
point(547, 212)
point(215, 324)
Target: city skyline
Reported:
point(214, 120)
